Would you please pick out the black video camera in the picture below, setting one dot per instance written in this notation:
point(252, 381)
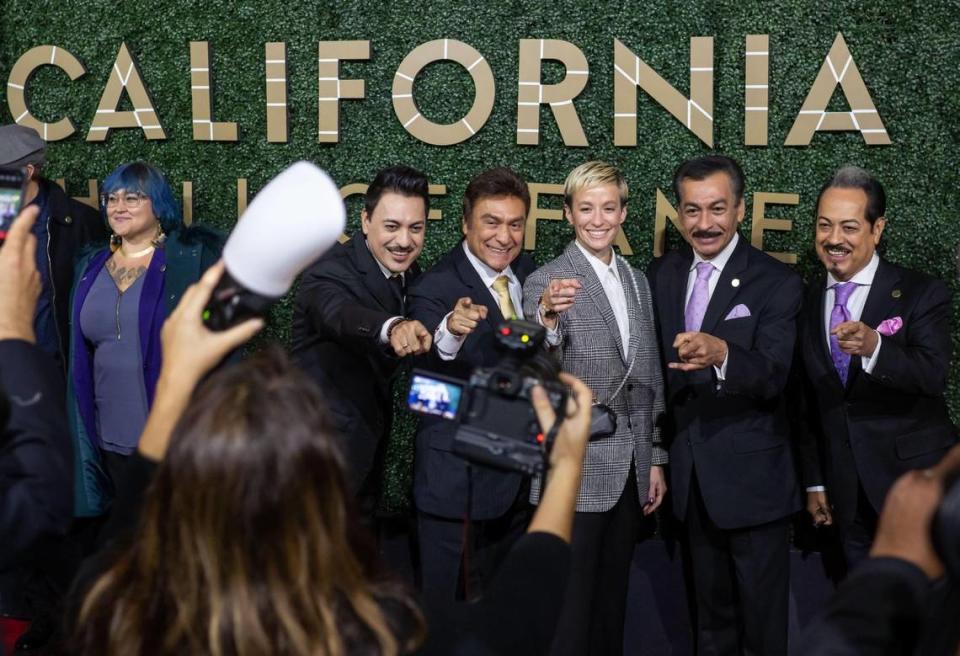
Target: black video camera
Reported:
point(498, 425)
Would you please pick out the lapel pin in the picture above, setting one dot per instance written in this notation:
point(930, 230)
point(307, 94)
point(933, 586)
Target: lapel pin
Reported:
point(735, 282)
point(895, 293)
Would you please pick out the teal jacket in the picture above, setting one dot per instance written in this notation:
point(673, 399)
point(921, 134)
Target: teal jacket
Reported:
point(186, 254)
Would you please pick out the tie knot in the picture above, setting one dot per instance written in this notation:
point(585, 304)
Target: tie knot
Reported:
point(704, 269)
point(843, 291)
point(501, 284)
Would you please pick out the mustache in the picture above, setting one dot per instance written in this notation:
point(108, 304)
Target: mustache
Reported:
point(398, 249)
point(836, 246)
point(705, 234)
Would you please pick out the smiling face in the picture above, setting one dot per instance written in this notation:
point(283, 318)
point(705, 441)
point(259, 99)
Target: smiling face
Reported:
point(596, 214)
point(494, 230)
point(709, 213)
point(130, 215)
point(845, 240)
point(395, 230)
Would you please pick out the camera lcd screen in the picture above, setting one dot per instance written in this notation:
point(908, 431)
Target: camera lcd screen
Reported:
point(11, 190)
point(433, 396)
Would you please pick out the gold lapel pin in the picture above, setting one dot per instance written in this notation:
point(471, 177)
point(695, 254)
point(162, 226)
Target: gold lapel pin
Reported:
point(895, 293)
point(735, 282)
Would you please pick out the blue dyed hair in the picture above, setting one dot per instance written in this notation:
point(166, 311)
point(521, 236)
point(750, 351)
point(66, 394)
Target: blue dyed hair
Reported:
point(150, 181)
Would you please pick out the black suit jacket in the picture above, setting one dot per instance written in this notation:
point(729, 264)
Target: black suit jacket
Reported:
point(440, 477)
point(36, 455)
point(881, 424)
point(341, 305)
point(734, 433)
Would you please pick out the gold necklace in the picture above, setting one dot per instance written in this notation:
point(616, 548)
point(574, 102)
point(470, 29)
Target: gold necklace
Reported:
point(138, 253)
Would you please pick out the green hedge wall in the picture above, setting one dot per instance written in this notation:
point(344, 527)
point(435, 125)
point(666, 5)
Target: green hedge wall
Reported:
point(907, 53)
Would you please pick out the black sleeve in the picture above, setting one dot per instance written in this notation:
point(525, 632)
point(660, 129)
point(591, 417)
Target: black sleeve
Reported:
point(332, 309)
point(36, 455)
point(878, 610)
point(518, 614)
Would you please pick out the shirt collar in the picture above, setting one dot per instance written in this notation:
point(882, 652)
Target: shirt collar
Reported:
point(721, 258)
point(488, 275)
point(863, 277)
point(599, 266)
point(387, 273)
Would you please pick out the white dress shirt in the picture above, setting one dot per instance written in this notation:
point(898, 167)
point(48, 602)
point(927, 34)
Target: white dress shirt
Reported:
point(719, 261)
point(448, 344)
point(609, 276)
point(855, 302)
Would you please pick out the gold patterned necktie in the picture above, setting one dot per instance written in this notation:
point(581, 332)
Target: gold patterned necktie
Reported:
point(501, 286)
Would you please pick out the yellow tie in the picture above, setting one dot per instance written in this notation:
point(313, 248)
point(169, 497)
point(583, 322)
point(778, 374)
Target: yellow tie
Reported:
point(500, 285)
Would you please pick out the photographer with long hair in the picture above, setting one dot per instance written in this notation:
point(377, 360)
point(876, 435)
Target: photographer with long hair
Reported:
point(245, 541)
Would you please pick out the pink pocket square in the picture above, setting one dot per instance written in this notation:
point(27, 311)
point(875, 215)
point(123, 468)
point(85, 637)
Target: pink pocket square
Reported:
point(889, 327)
point(738, 312)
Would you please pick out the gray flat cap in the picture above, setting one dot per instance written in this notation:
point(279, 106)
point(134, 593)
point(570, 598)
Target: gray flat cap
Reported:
point(20, 146)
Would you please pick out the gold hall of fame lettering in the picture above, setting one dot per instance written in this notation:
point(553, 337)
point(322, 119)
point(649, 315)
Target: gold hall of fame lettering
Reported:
point(695, 111)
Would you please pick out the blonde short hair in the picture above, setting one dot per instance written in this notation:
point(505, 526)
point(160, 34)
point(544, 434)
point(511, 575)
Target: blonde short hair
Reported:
point(594, 174)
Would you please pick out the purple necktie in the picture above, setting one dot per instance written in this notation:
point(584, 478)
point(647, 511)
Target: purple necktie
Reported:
point(839, 314)
point(697, 305)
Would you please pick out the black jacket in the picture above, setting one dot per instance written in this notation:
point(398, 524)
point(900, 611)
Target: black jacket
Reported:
point(71, 225)
point(341, 306)
point(440, 477)
point(881, 424)
point(36, 456)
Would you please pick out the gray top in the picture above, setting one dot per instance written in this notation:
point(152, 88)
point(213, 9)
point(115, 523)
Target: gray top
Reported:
point(110, 321)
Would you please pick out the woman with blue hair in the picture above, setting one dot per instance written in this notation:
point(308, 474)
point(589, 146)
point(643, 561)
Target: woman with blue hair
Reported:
point(121, 297)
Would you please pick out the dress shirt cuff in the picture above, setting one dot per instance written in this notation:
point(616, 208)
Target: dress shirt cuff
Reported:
point(816, 488)
point(448, 344)
point(553, 334)
point(384, 337)
point(869, 362)
point(721, 371)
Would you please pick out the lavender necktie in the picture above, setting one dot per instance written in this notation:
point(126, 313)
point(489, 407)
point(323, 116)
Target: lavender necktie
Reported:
point(697, 305)
point(839, 314)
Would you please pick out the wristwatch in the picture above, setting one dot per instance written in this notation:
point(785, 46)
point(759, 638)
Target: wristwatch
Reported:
point(547, 313)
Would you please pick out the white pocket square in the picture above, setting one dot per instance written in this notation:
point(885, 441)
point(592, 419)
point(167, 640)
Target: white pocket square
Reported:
point(738, 312)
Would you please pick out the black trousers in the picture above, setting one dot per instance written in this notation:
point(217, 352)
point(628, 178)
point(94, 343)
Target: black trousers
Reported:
point(444, 560)
point(741, 583)
point(591, 621)
point(857, 536)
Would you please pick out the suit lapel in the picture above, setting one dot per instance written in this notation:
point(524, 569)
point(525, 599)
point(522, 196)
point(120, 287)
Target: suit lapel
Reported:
point(634, 311)
point(481, 294)
point(373, 278)
point(725, 291)
point(594, 290)
point(817, 340)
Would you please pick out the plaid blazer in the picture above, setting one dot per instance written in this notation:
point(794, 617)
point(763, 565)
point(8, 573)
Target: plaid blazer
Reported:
point(590, 349)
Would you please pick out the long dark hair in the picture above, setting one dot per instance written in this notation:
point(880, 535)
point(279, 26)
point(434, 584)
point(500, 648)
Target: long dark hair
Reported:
point(246, 544)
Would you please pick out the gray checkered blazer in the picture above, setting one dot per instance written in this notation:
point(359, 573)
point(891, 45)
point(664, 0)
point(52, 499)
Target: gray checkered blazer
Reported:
point(590, 349)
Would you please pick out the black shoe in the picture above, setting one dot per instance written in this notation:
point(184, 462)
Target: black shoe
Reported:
point(39, 635)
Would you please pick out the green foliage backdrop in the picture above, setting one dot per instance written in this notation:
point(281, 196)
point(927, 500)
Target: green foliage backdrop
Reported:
point(907, 53)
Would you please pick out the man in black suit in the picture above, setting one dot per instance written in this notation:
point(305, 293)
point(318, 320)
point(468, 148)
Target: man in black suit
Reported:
point(350, 330)
point(876, 351)
point(461, 301)
point(726, 315)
